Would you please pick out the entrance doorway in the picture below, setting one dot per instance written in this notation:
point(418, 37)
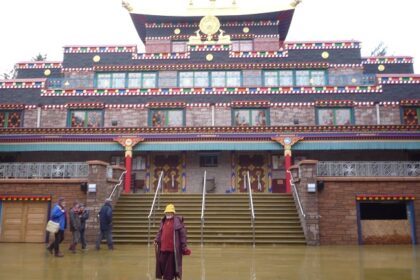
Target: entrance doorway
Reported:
point(256, 165)
point(171, 166)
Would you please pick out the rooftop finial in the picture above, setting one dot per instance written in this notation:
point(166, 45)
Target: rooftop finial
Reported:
point(295, 3)
point(127, 6)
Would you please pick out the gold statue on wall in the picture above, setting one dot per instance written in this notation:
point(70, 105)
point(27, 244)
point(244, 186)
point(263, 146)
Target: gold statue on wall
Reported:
point(210, 26)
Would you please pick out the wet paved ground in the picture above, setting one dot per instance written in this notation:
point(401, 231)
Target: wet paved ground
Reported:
point(31, 261)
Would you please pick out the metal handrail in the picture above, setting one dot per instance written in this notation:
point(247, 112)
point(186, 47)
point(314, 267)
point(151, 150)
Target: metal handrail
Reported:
point(251, 206)
point(152, 208)
point(117, 185)
point(203, 205)
point(296, 194)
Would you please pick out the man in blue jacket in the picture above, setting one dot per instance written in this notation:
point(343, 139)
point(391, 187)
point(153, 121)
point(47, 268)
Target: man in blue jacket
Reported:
point(105, 224)
point(58, 215)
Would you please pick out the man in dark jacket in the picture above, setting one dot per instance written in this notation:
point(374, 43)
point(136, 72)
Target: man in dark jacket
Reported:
point(74, 226)
point(105, 224)
point(171, 244)
point(84, 215)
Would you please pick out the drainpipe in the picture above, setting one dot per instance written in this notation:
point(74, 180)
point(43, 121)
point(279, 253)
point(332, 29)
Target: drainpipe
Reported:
point(378, 115)
point(38, 116)
point(212, 114)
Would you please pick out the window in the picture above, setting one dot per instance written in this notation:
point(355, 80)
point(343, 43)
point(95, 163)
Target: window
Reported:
point(179, 46)
point(117, 160)
point(85, 118)
point(167, 118)
point(226, 79)
point(130, 80)
point(250, 117)
point(139, 163)
point(242, 45)
point(335, 116)
point(294, 78)
point(411, 116)
point(210, 79)
point(208, 161)
point(10, 119)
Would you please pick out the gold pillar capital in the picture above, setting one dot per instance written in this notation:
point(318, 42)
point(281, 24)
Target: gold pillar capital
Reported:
point(128, 143)
point(287, 141)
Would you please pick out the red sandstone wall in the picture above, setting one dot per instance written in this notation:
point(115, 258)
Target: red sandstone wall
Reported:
point(337, 207)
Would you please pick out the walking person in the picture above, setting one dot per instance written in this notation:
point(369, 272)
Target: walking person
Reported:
point(84, 215)
point(170, 244)
point(105, 225)
point(58, 215)
point(75, 226)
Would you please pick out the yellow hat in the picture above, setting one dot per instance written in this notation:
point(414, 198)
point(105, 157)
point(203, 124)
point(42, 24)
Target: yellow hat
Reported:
point(170, 208)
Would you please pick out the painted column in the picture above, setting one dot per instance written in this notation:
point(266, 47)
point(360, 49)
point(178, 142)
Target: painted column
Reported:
point(287, 142)
point(128, 144)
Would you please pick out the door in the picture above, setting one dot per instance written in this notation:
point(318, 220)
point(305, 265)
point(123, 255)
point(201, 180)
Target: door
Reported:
point(23, 221)
point(257, 166)
point(172, 172)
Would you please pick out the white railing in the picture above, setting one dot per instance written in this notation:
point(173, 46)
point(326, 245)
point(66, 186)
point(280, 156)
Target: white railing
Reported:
point(152, 208)
point(368, 169)
point(203, 206)
point(120, 181)
point(296, 194)
point(49, 170)
point(251, 207)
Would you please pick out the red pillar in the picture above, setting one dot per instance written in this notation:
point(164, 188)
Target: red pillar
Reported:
point(127, 182)
point(287, 164)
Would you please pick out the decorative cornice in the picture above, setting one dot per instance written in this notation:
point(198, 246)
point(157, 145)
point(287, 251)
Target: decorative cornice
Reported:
point(150, 56)
point(334, 103)
point(389, 103)
point(383, 197)
point(24, 198)
point(38, 65)
point(185, 37)
point(250, 104)
point(410, 102)
point(100, 49)
point(321, 45)
point(257, 54)
point(92, 105)
point(166, 105)
point(226, 24)
point(23, 83)
point(224, 66)
point(84, 69)
point(346, 66)
point(387, 60)
point(398, 79)
point(205, 48)
point(215, 91)
point(11, 106)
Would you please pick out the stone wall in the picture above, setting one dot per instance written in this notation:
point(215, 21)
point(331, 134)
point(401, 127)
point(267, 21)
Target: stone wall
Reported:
point(158, 46)
point(288, 116)
point(223, 117)
point(390, 115)
point(30, 118)
point(266, 44)
point(54, 118)
point(126, 117)
point(198, 116)
point(365, 115)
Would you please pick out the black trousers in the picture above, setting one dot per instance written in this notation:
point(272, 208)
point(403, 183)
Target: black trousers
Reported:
point(58, 238)
point(83, 238)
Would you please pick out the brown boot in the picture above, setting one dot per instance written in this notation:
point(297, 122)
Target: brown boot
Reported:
point(59, 255)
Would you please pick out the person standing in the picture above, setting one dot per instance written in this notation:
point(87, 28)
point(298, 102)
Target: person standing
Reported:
point(58, 215)
point(84, 215)
point(75, 226)
point(105, 225)
point(171, 244)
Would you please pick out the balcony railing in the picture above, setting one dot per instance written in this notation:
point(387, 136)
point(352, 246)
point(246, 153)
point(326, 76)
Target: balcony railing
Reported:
point(53, 170)
point(167, 82)
point(369, 169)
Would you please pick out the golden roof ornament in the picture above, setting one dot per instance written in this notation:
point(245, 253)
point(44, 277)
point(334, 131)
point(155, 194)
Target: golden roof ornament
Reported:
point(295, 3)
point(127, 6)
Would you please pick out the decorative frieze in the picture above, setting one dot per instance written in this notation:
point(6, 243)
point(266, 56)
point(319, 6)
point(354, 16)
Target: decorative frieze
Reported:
point(150, 56)
point(155, 25)
point(321, 45)
point(24, 198)
point(248, 104)
point(205, 48)
point(388, 60)
point(165, 105)
point(383, 197)
point(258, 54)
point(399, 79)
point(410, 102)
point(11, 106)
point(23, 83)
point(38, 65)
point(100, 49)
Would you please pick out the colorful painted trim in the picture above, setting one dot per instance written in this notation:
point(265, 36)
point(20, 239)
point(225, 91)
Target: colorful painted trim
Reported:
point(412, 102)
point(94, 105)
point(389, 103)
point(346, 66)
point(335, 103)
point(150, 56)
point(12, 106)
point(33, 83)
point(86, 69)
point(229, 24)
point(24, 198)
point(217, 91)
point(38, 65)
point(250, 104)
point(185, 37)
point(100, 49)
point(205, 48)
point(166, 105)
point(388, 60)
point(255, 54)
point(374, 197)
point(225, 66)
point(409, 79)
point(321, 45)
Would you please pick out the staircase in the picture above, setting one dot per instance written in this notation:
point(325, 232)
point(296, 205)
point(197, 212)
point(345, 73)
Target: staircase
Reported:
point(227, 218)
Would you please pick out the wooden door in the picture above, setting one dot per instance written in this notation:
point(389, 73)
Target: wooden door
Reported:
point(172, 172)
point(257, 167)
point(24, 221)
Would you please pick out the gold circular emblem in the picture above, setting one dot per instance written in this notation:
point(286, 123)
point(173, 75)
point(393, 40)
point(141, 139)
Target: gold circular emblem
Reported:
point(128, 142)
point(381, 68)
point(245, 29)
point(47, 72)
point(325, 55)
point(209, 25)
point(96, 58)
point(353, 80)
point(177, 31)
point(209, 57)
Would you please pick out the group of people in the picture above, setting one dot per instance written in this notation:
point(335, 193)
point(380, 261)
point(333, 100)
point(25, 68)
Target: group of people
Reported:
point(77, 217)
point(170, 242)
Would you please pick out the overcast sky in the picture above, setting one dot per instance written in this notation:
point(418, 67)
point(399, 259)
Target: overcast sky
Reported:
point(30, 27)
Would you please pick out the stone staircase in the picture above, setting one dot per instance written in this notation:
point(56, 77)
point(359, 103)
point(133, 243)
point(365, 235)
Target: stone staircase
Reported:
point(227, 218)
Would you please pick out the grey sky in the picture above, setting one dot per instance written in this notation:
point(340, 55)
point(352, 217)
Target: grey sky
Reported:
point(45, 26)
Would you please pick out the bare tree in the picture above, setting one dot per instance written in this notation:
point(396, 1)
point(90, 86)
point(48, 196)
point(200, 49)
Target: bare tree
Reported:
point(380, 50)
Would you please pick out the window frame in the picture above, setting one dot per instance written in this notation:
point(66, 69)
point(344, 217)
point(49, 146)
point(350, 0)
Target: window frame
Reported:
point(166, 110)
point(210, 78)
point(250, 111)
point(6, 118)
point(351, 109)
point(403, 108)
point(85, 120)
point(204, 163)
point(294, 77)
point(126, 79)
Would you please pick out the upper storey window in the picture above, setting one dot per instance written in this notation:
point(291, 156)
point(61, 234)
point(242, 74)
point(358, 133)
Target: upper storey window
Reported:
point(294, 78)
point(10, 119)
point(127, 80)
point(85, 118)
point(242, 45)
point(167, 117)
point(210, 79)
point(411, 115)
point(334, 116)
point(250, 117)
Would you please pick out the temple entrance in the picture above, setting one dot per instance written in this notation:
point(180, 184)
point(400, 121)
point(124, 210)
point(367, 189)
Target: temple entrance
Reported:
point(257, 166)
point(171, 166)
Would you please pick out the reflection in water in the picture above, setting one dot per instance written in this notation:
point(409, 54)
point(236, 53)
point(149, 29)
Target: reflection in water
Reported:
point(32, 261)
